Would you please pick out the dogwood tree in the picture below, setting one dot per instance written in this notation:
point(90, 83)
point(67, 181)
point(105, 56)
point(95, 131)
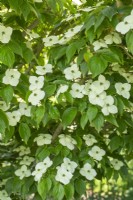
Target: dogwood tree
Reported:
point(66, 92)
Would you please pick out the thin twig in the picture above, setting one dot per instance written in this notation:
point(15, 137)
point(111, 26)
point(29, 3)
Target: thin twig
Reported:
point(57, 132)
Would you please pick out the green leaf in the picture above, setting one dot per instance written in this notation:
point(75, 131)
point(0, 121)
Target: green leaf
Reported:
point(43, 187)
point(24, 132)
point(115, 143)
point(54, 112)
point(70, 51)
point(97, 65)
point(58, 192)
point(2, 126)
point(129, 41)
point(9, 134)
point(38, 114)
point(80, 186)
point(3, 122)
point(99, 21)
point(109, 12)
point(112, 120)
point(90, 22)
point(7, 56)
point(92, 112)
point(69, 191)
point(7, 94)
point(68, 116)
point(27, 53)
point(49, 90)
point(98, 122)
point(15, 47)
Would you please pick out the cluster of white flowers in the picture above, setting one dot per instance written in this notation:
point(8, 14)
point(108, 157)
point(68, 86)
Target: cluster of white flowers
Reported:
point(88, 172)
point(123, 89)
point(36, 84)
point(108, 39)
point(126, 25)
point(43, 139)
point(98, 96)
point(96, 153)
point(22, 150)
point(11, 77)
point(42, 70)
point(23, 172)
point(89, 139)
point(5, 34)
point(65, 171)
point(117, 164)
point(67, 141)
point(72, 72)
point(41, 168)
point(4, 195)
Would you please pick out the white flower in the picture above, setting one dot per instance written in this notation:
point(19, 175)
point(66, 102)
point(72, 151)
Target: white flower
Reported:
point(87, 88)
point(73, 31)
point(87, 9)
point(36, 82)
point(62, 89)
point(100, 85)
point(89, 139)
point(64, 40)
point(4, 195)
point(97, 99)
point(96, 153)
point(112, 38)
point(36, 96)
point(117, 164)
point(50, 41)
point(99, 44)
point(43, 139)
point(77, 90)
point(22, 150)
point(41, 168)
point(123, 89)
point(69, 165)
point(11, 77)
point(72, 72)
point(23, 172)
point(128, 76)
point(88, 171)
point(26, 160)
point(63, 175)
point(109, 106)
point(13, 117)
point(38, 1)
point(24, 109)
point(67, 140)
point(4, 106)
point(42, 70)
point(127, 24)
point(5, 34)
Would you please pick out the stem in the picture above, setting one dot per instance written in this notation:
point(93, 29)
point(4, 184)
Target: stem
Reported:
point(57, 132)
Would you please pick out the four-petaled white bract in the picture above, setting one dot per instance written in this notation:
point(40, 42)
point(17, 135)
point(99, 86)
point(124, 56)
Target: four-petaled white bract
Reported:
point(23, 172)
point(36, 96)
point(89, 139)
point(42, 70)
point(4, 106)
point(113, 38)
point(123, 89)
point(77, 90)
point(69, 165)
point(36, 82)
point(73, 31)
point(11, 77)
point(26, 160)
point(50, 41)
point(5, 34)
point(24, 109)
point(117, 164)
point(67, 141)
point(96, 153)
point(88, 172)
point(109, 106)
point(72, 72)
point(4, 195)
point(13, 117)
point(62, 89)
point(63, 175)
point(22, 150)
point(43, 139)
point(99, 44)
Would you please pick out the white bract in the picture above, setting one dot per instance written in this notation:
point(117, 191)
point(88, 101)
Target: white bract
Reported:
point(13, 117)
point(109, 106)
point(112, 38)
point(43, 139)
point(41, 168)
point(22, 150)
point(42, 70)
point(36, 82)
point(62, 89)
point(5, 34)
point(126, 25)
point(26, 160)
point(123, 89)
point(38, 1)
point(96, 153)
point(50, 41)
point(69, 165)
point(99, 44)
point(63, 175)
point(72, 72)
point(24, 109)
point(77, 90)
point(23, 172)
point(36, 96)
point(67, 141)
point(96, 98)
point(89, 139)
point(117, 164)
point(11, 77)
point(4, 195)
point(4, 106)
point(100, 85)
point(64, 40)
point(73, 31)
point(88, 172)
point(128, 76)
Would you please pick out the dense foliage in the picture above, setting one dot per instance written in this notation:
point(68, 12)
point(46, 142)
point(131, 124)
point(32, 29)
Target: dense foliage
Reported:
point(66, 92)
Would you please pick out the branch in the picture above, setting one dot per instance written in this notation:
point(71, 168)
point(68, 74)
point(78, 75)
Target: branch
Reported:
point(57, 132)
